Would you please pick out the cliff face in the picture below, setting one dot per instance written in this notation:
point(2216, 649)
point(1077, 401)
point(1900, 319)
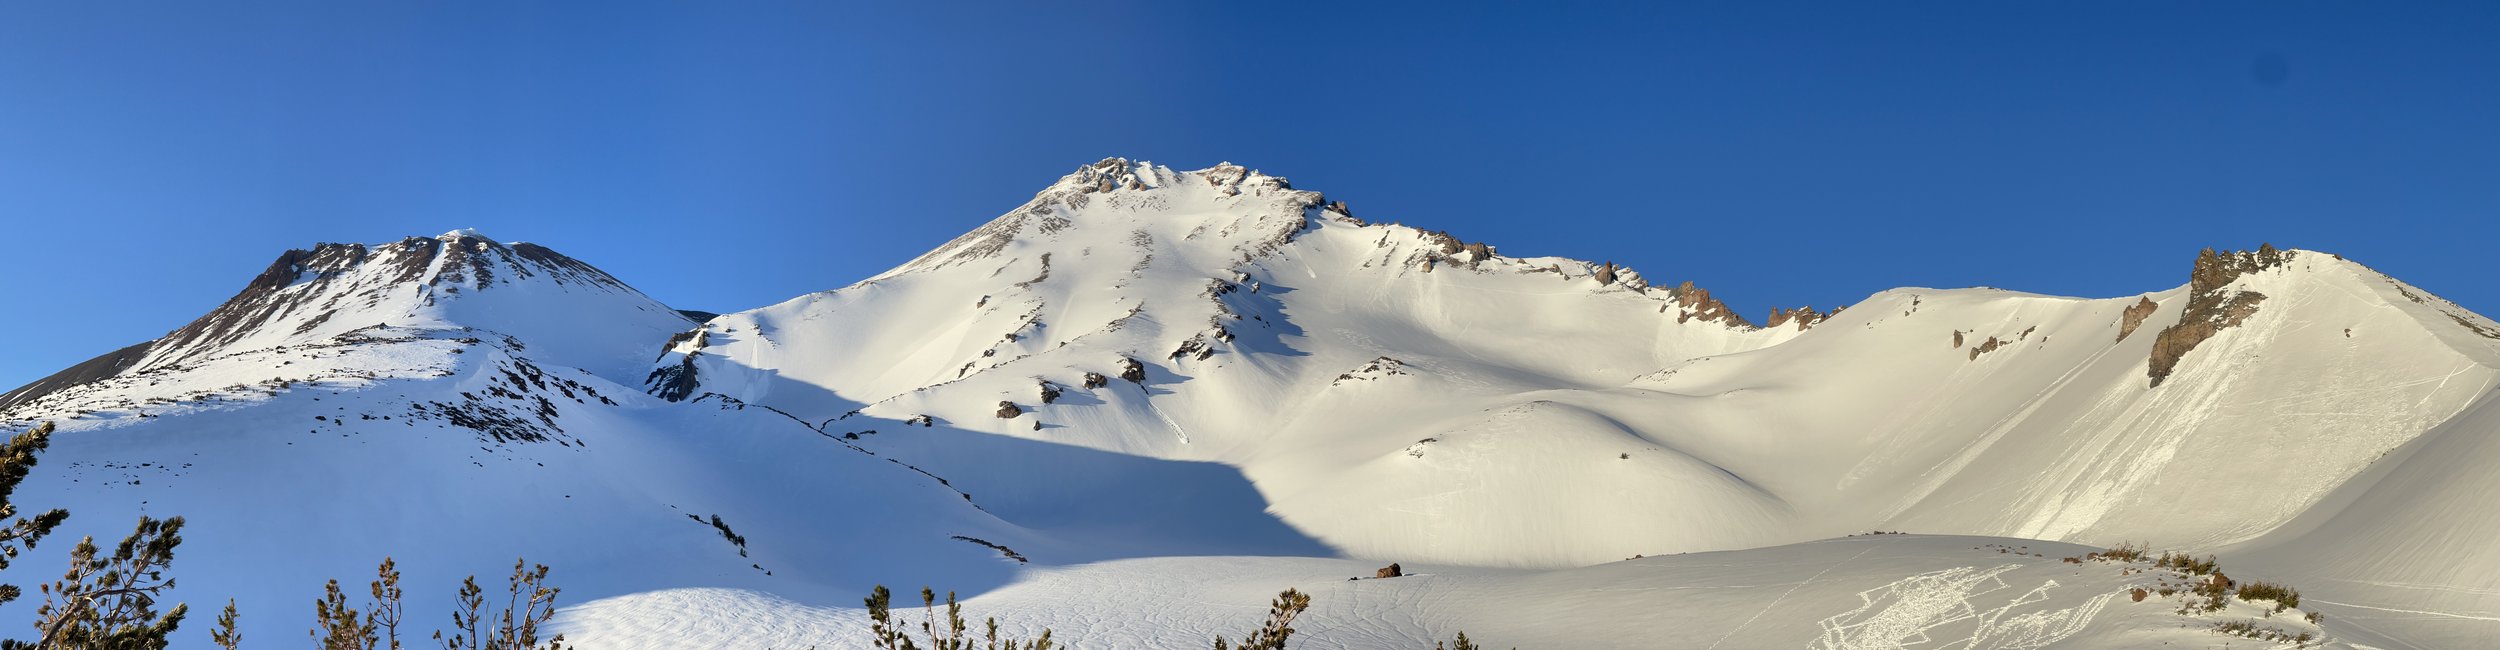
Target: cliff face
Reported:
point(2134, 316)
point(2213, 305)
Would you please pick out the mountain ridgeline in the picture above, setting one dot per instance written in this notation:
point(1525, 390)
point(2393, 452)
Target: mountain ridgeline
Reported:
point(1147, 362)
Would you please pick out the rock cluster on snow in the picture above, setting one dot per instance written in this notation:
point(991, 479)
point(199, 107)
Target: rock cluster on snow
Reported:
point(2134, 316)
point(2212, 305)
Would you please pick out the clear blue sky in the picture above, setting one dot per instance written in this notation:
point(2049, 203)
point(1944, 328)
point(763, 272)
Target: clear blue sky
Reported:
point(154, 157)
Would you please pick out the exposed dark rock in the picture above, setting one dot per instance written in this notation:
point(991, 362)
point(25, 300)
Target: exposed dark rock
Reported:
point(674, 383)
point(1002, 550)
point(1957, 339)
point(1095, 380)
point(1606, 274)
point(89, 371)
point(1804, 318)
point(2134, 316)
point(1132, 371)
point(1391, 571)
point(1985, 347)
point(701, 338)
point(923, 420)
point(1050, 392)
point(1378, 368)
point(1695, 302)
point(2212, 306)
point(2478, 329)
point(1008, 410)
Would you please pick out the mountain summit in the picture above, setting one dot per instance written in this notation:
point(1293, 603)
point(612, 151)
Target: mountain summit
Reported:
point(1213, 373)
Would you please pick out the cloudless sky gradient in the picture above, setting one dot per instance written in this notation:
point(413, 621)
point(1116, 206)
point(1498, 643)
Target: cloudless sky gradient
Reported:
point(155, 156)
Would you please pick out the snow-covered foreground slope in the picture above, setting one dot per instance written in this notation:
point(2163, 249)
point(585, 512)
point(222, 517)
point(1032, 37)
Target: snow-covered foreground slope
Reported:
point(1140, 404)
point(1870, 592)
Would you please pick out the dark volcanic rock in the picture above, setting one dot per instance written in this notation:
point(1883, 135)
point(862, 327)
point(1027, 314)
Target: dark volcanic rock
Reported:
point(111, 364)
point(2212, 307)
point(2134, 316)
point(1695, 302)
point(1804, 318)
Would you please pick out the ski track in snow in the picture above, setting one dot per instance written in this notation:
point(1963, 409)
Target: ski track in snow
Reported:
point(1792, 590)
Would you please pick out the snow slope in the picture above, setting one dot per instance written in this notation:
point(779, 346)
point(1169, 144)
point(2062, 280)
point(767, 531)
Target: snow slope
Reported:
point(454, 410)
point(1399, 394)
point(1880, 591)
point(1166, 394)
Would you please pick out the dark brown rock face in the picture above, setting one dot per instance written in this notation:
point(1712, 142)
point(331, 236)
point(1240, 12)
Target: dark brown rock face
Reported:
point(1985, 347)
point(1606, 274)
point(1695, 302)
point(1133, 371)
point(2135, 315)
point(1095, 380)
point(2212, 307)
point(1390, 571)
point(1050, 392)
point(1009, 410)
point(1804, 318)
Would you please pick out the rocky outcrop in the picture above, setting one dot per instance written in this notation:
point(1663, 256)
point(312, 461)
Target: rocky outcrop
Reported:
point(674, 383)
point(1985, 347)
point(2212, 305)
point(1693, 302)
point(1391, 571)
point(1095, 380)
point(2134, 316)
point(1133, 371)
point(1606, 274)
point(1378, 368)
point(1050, 391)
point(1009, 410)
point(1804, 318)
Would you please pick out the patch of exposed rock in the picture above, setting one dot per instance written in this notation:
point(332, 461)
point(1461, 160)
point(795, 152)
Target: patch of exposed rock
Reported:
point(1009, 410)
point(2134, 316)
point(1132, 371)
point(1095, 380)
point(1985, 347)
point(2212, 306)
point(1805, 318)
point(1378, 368)
point(1693, 302)
point(1050, 391)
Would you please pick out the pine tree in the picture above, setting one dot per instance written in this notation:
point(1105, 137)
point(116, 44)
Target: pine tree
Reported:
point(531, 604)
point(337, 625)
point(110, 602)
point(887, 632)
point(386, 602)
point(225, 636)
point(1279, 627)
point(16, 459)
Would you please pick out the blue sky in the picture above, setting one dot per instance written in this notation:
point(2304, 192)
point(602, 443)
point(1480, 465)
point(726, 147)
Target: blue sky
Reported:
point(154, 157)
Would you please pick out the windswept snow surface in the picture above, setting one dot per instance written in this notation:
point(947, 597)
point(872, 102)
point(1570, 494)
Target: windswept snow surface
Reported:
point(1134, 408)
point(1879, 592)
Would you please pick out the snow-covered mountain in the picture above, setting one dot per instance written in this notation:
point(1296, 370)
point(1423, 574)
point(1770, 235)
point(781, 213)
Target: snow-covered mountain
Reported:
point(1145, 365)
